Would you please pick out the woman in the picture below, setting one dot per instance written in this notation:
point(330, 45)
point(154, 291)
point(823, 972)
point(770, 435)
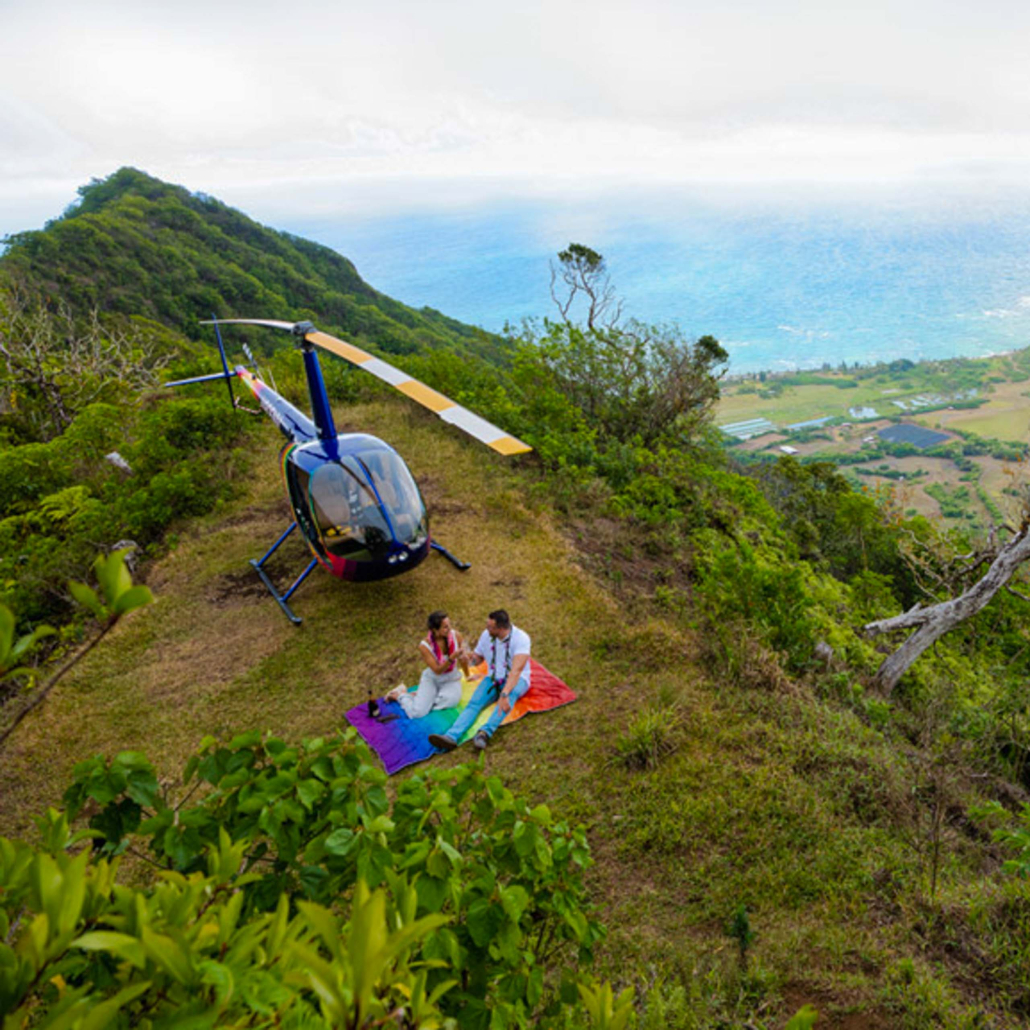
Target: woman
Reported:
point(443, 651)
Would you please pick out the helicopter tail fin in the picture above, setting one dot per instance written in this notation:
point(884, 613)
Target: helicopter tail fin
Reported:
point(224, 374)
point(225, 363)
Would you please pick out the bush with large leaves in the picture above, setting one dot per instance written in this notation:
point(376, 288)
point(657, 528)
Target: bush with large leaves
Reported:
point(467, 894)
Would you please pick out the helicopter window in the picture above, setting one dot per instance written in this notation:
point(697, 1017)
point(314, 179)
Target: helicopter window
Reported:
point(349, 520)
point(398, 492)
point(297, 479)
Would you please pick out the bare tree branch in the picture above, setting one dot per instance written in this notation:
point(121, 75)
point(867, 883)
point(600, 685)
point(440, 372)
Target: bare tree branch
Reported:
point(52, 365)
point(583, 271)
point(932, 622)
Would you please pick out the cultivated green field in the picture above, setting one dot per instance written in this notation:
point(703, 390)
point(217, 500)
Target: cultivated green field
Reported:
point(988, 397)
point(796, 404)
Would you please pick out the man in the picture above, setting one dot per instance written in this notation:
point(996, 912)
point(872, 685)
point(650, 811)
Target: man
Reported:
point(506, 649)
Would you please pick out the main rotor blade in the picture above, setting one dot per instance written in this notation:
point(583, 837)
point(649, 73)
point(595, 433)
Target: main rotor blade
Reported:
point(274, 323)
point(448, 410)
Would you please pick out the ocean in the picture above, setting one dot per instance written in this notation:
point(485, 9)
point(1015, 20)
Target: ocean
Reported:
point(784, 279)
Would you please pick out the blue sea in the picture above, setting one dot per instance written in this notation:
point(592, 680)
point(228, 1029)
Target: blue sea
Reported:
point(783, 278)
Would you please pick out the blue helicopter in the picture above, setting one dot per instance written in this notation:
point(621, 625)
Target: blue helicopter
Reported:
point(354, 499)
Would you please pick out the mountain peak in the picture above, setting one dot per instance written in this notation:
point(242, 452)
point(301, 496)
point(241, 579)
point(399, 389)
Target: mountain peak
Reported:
point(99, 193)
point(135, 245)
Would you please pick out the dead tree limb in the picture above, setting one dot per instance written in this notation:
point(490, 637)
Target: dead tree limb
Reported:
point(932, 622)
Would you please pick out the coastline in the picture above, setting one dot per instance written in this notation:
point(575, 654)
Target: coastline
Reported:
point(821, 369)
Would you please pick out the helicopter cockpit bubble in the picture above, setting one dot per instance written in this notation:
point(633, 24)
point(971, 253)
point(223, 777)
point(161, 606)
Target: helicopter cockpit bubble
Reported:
point(346, 512)
point(398, 492)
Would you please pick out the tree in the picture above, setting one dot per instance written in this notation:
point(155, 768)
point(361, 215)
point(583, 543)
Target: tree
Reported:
point(53, 365)
point(932, 622)
point(583, 271)
point(628, 381)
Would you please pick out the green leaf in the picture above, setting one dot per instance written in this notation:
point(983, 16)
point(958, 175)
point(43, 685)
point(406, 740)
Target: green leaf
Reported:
point(804, 1019)
point(309, 791)
point(340, 841)
point(541, 814)
point(219, 977)
point(514, 900)
point(113, 576)
point(27, 642)
point(103, 1014)
point(249, 739)
point(87, 598)
point(131, 599)
point(167, 953)
point(483, 920)
point(525, 837)
point(6, 635)
point(381, 824)
point(122, 945)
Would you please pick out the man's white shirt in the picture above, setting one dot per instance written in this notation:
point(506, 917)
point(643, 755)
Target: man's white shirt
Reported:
point(519, 643)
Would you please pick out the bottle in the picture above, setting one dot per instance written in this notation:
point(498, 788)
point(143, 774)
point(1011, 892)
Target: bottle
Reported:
point(373, 706)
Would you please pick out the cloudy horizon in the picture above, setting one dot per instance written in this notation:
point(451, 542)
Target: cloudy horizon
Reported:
point(302, 109)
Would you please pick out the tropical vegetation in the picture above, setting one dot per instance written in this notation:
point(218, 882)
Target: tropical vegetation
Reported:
point(769, 778)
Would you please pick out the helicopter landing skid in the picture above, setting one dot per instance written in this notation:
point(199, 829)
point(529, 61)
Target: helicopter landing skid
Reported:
point(281, 599)
point(462, 566)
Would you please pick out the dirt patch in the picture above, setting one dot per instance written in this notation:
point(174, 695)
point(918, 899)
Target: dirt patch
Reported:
point(756, 443)
point(440, 501)
point(512, 587)
point(835, 1013)
point(607, 548)
point(236, 588)
point(389, 671)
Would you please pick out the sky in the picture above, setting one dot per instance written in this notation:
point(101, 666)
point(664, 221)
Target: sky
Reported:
point(295, 111)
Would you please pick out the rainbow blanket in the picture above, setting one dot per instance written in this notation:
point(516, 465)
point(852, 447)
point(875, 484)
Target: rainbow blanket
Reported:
point(401, 741)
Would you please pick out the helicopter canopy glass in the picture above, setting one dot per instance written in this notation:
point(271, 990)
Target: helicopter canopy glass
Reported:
point(347, 511)
point(400, 495)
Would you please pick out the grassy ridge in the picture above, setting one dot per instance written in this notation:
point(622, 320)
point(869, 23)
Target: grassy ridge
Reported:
point(788, 802)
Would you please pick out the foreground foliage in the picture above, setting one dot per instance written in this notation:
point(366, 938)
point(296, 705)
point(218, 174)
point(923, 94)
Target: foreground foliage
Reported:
point(461, 897)
point(117, 597)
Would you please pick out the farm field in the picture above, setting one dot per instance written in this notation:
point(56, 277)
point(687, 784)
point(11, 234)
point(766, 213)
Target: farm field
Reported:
point(971, 484)
point(1005, 416)
point(920, 471)
point(797, 404)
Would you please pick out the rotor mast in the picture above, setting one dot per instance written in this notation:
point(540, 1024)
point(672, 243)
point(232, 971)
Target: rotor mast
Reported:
point(321, 412)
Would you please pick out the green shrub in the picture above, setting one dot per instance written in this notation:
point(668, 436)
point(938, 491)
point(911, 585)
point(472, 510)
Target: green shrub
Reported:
point(746, 585)
point(313, 823)
point(59, 501)
point(648, 738)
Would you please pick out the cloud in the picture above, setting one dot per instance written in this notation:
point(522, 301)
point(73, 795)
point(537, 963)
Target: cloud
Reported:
point(236, 98)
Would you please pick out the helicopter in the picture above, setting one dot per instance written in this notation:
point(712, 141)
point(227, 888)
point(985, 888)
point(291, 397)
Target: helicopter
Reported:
point(356, 503)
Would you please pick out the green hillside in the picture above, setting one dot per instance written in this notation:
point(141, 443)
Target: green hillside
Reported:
point(141, 247)
point(769, 827)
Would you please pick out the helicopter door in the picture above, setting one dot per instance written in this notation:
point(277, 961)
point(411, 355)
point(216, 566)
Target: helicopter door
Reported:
point(399, 493)
point(297, 481)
